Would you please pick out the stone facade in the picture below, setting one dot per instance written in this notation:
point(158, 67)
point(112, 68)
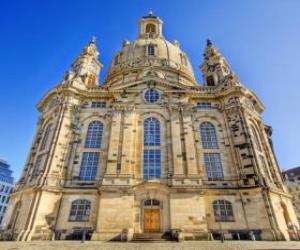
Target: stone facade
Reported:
point(94, 165)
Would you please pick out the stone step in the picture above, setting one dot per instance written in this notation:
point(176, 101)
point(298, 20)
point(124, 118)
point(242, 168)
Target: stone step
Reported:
point(151, 237)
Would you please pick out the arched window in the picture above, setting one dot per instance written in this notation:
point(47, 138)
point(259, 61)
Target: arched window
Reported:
point(208, 135)
point(150, 28)
point(46, 136)
point(94, 135)
point(80, 210)
point(151, 132)
point(223, 210)
point(152, 155)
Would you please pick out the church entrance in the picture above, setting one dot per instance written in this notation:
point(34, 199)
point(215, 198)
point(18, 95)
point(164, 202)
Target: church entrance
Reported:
point(151, 216)
point(151, 221)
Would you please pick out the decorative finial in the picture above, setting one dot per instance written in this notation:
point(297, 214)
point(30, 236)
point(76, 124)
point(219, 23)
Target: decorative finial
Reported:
point(208, 42)
point(150, 12)
point(93, 39)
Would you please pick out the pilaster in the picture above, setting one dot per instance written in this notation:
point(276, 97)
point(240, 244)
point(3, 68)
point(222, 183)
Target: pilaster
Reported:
point(178, 167)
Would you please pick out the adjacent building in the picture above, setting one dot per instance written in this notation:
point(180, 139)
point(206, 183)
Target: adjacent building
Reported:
point(291, 179)
point(6, 187)
point(150, 150)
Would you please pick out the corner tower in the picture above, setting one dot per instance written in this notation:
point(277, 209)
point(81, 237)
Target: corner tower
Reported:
point(215, 67)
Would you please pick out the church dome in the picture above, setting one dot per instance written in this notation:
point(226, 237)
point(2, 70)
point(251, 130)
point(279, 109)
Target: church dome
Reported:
point(151, 50)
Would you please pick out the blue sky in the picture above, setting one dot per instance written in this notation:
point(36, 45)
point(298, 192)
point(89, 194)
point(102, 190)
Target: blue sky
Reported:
point(40, 39)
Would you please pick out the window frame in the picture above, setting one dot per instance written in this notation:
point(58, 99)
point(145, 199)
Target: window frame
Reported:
point(213, 172)
point(151, 50)
point(89, 164)
point(152, 96)
point(151, 148)
point(223, 211)
point(83, 216)
point(98, 104)
point(208, 135)
point(94, 135)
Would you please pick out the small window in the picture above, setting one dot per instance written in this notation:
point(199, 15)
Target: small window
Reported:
point(150, 50)
point(151, 95)
point(80, 210)
point(151, 203)
point(204, 105)
point(223, 210)
point(210, 81)
point(98, 105)
point(150, 28)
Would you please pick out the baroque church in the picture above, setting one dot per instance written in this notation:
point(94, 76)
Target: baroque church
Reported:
point(150, 151)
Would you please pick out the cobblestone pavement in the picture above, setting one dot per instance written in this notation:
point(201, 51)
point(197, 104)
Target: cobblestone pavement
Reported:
point(194, 245)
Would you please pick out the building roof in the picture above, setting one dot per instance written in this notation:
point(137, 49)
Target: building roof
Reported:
point(295, 171)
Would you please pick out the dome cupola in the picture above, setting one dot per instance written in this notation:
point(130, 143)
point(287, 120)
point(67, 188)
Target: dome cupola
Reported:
point(150, 26)
point(150, 51)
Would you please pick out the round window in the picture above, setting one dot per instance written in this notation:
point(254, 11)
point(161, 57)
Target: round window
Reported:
point(151, 95)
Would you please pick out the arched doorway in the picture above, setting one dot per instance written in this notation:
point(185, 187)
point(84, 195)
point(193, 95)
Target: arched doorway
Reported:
point(151, 211)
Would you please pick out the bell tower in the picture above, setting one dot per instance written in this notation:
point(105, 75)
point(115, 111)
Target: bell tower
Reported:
point(86, 66)
point(215, 66)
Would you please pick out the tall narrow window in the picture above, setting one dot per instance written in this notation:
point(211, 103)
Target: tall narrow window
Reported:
point(223, 210)
point(152, 154)
point(89, 166)
point(46, 136)
point(80, 210)
point(150, 50)
point(94, 135)
point(213, 166)
point(208, 135)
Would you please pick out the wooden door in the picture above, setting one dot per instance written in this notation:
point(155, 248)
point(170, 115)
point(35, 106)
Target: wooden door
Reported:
point(151, 220)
